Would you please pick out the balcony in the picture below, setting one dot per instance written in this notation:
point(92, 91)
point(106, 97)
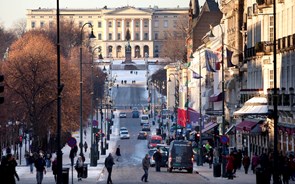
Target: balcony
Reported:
point(264, 3)
point(285, 99)
point(263, 48)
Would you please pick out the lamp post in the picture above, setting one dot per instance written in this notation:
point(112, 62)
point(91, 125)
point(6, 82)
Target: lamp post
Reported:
point(59, 90)
point(81, 87)
point(93, 149)
point(223, 100)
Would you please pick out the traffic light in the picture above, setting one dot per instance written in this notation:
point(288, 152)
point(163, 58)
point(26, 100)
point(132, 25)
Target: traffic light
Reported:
point(197, 137)
point(1, 89)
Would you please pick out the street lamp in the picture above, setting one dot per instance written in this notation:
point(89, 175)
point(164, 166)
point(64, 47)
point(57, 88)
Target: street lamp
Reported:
point(222, 84)
point(81, 90)
point(93, 149)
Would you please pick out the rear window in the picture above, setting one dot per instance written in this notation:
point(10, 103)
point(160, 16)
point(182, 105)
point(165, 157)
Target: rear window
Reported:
point(144, 118)
point(155, 141)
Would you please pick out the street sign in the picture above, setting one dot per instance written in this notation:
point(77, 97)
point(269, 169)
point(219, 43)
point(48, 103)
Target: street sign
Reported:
point(72, 142)
point(224, 139)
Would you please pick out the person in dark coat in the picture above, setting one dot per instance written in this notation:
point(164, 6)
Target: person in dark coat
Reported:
point(145, 166)
point(31, 161)
point(40, 168)
point(246, 163)
point(79, 167)
point(109, 162)
point(8, 168)
point(158, 158)
point(230, 165)
point(54, 168)
point(118, 152)
point(85, 146)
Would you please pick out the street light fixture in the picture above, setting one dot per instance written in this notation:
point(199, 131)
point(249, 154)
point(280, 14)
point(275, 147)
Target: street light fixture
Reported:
point(223, 95)
point(81, 82)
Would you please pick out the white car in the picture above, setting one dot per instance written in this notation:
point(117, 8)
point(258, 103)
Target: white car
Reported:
point(124, 134)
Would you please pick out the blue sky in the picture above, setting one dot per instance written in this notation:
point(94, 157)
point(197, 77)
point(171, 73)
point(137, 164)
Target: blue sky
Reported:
point(13, 10)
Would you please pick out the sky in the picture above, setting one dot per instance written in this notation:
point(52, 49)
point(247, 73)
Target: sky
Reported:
point(14, 10)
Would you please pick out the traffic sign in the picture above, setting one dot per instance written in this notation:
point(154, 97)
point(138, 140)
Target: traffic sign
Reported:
point(224, 139)
point(72, 141)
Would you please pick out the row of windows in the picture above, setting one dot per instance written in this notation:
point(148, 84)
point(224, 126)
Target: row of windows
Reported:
point(110, 36)
point(80, 17)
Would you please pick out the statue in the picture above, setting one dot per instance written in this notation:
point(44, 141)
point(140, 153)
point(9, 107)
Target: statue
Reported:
point(128, 48)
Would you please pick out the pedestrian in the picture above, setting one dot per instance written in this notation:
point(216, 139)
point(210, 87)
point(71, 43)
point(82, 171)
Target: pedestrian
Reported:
point(85, 146)
point(9, 170)
point(118, 152)
point(230, 166)
point(109, 162)
point(246, 162)
point(54, 168)
point(145, 166)
point(31, 161)
point(255, 162)
point(48, 160)
point(8, 150)
point(85, 133)
point(158, 159)
point(40, 168)
point(79, 167)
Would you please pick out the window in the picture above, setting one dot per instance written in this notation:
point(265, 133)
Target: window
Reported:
point(271, 79)
point(136, 36)
point(99, 24)
point(156, 36)
point(146, 36)
point(127, 24)
point(165, 35)
point(99, 36)
point(165, 16)
point(33, 24)
point(156, 16)
point(271, 29)
point(41, 17)
point(110, 23)
point(156, 23)
point(156, 48)
point(174, 23)
point(71, 17)
point(110, 36)
point(50, 17)
point(165, 23)
point(80, 24)
point(89, 17)
point(119, 36)
point(146, 23)
point(33, 17)
point(136, 23)
point(119, 24)
point(50, 24)
point(175, 16)
point(80, 17)
point(42, 24)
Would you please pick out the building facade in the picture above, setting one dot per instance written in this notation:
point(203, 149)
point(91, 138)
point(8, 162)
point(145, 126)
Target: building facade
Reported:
point(148, 27)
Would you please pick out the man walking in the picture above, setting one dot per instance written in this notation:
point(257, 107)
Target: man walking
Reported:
point(158, 159)
point(109, 162)
point(118, 152)
point(145, 166)
point(40, 168)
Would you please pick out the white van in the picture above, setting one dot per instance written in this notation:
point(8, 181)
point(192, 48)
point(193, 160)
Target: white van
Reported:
point(144, 119)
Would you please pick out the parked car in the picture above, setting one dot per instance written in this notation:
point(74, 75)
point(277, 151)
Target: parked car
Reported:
point(124, 134)
point(146, 127)
point(142, 135)
point(154, 141)
point(122, 115)
point(180, 156)
point(164, 150)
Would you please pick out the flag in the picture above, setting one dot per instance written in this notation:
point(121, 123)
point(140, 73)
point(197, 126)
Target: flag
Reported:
point(210, 57)
point(181, 117)
point(229, 55)
point(196, 75)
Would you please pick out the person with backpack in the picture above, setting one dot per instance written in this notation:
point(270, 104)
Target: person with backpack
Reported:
point(40, 168)
point(79, 167)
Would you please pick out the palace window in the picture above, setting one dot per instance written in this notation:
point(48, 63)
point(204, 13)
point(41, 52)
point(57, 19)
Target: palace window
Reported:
point(110, 36)
point(136, 23)
point(33, 24)
point(146, 36)
point(110, 23)
point(119, 36)
point(146, 24)
point(99, 36)
point(165, 23)
point(99, 24)
point(136, 36)
point(42, 24)
point(119, 24)
point(156, 23)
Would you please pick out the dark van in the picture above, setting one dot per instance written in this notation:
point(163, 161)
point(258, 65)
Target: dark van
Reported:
point(180, 156)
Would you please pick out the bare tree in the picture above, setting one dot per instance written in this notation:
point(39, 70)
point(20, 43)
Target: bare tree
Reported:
point(19, 27)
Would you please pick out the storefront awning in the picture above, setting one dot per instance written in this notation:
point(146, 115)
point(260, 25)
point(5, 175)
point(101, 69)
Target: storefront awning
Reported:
point(254, 106)
point(231, 130)
point(257, 129)
point(245, 125)
point(209, 126)
point(215, 97)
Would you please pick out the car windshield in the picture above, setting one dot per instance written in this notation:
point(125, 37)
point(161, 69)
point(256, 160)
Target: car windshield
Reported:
point(123, 128)
point(144, 118)
point(155, 141)
point(124, 132)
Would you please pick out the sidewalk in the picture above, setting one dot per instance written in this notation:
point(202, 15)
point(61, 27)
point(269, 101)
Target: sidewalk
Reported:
point(241, 177)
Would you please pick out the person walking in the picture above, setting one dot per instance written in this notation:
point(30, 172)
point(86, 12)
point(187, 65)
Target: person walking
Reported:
point(158, 159)
point(79, 167)
point(54, 168)
point(145, 167)
point(230, 166)
point(8, 170)
point(31, 162)
point(118, 153)
point(246, 163)
point(85, 146)
point(109, 162)
point(255, 162)
point(40, 168)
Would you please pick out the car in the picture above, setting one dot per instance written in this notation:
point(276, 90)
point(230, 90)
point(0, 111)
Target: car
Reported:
point(180, 156)
point(144, 119)
point(142, 135)
point(123, 128)
point(122, 115)
point(146, 127)
point(135, 114)
point(124, 134)
point(154, 141)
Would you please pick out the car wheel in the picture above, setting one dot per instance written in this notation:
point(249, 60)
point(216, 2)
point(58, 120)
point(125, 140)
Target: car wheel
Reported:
point(190, 170)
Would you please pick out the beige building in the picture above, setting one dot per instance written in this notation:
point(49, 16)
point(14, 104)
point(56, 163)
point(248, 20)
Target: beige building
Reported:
point(148, 27)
